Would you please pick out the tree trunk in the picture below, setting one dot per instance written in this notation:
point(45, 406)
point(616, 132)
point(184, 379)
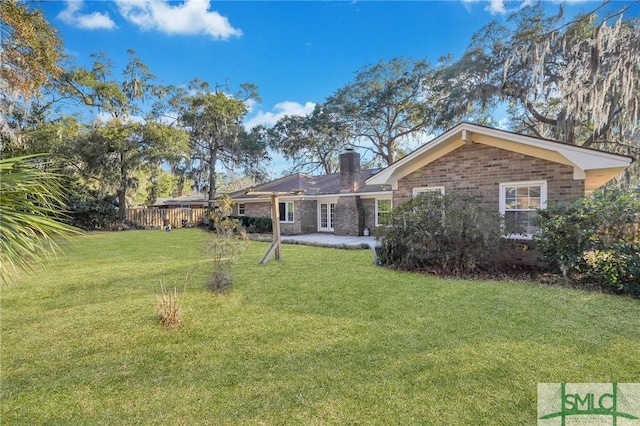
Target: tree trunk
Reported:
point(122, 204)
point(122, 190)
point(213, 157)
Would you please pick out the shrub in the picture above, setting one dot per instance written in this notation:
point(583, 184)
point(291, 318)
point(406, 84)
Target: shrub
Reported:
point(224, 245)
point(91, 210)
point(450, 233)
point(259, 225)
point(594, 240)
point(220, 280)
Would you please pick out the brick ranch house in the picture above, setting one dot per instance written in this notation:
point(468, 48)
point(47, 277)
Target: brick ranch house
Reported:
point(192, 201)
point(513, 173)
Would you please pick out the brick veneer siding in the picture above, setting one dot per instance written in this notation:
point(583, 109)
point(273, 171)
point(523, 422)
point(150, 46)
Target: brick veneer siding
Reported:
point(349, 216)
point(255, 209)
point(475, 169)
point(308, 216)
point(369, 207)
point(304, 216)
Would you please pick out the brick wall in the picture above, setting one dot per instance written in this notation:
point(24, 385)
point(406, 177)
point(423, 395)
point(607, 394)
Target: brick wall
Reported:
point(255, 209)
point(304, 216)
point(349, 216)
point(369, 207)
point(476, 169)
point(308, 216)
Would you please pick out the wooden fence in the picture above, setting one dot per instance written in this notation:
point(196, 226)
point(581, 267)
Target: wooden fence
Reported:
point(155, 218)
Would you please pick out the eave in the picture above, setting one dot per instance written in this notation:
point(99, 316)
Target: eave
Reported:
point(595, 167)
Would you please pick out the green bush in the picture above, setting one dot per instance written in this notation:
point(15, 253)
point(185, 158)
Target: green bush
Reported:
point(594, 240)
point(255, 225)
point(91, 210)
point(450, 233)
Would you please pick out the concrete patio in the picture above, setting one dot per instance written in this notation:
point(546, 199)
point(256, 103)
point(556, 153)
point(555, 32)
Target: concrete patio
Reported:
point(330, 240)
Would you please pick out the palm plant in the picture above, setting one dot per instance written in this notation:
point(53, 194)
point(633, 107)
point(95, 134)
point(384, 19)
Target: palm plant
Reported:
point(31, 206)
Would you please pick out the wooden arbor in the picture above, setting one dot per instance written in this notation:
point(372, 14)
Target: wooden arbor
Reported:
point(274, 249)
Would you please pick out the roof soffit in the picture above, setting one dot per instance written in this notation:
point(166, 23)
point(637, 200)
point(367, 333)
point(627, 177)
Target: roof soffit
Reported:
point(581, 159)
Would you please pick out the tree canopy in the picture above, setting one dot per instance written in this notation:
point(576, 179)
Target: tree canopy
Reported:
point(386, 104)
point(312, 143)
point(575, 81)
point(213, 120)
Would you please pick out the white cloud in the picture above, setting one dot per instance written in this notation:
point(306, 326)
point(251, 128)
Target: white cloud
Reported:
point(496, 7)
point(191, 17)
point(71, 15)
point(467, 4)
point(281, 109)
point(499, 7)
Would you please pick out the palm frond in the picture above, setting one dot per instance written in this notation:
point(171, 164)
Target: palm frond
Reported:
point(31, 209)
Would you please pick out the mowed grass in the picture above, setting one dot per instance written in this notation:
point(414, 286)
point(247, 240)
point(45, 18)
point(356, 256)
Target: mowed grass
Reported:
point(322, 337)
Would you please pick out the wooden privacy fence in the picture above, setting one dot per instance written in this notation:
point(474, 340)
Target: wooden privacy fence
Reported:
point(151, 218)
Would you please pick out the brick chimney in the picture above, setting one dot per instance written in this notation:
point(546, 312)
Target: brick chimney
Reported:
point(349, 170)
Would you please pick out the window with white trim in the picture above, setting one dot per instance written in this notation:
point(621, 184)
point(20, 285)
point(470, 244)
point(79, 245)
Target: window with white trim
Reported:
point(286, 211)
point(519, 202)
point(383, 211)
point(427, 190)
point(240, 209)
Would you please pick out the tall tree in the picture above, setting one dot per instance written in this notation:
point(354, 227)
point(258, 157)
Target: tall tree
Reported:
point(575, 80)
point(30, 58)
point(312, 142)
point(116, 148)
point(387, 104)
point(30, 49)
point(213, 119)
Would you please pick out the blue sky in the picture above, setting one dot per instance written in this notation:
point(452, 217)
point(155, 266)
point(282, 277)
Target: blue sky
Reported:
point(297, 53)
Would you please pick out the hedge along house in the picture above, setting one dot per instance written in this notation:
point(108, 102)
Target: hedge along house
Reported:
point(512, 173)
point(339, 203)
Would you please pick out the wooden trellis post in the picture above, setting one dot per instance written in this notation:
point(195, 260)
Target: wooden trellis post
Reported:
point(274, 249)
point(275, 225)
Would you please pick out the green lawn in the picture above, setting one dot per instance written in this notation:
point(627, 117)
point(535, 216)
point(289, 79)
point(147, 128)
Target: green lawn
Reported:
point(323, 337)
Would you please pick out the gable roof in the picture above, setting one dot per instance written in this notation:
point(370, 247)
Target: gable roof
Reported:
point(308, 185)
point(594, 166)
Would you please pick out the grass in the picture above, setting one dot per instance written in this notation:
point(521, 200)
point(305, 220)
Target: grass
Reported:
point(322, 337)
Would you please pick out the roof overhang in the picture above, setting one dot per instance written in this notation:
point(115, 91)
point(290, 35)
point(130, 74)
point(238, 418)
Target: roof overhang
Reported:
point(595, 167)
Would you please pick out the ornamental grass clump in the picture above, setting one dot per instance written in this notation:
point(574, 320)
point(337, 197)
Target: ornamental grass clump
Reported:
point(169, 307)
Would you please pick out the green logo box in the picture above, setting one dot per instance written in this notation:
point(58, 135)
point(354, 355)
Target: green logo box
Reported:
point(593, 404)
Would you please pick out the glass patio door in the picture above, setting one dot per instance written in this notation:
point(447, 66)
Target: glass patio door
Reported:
point(326, 217)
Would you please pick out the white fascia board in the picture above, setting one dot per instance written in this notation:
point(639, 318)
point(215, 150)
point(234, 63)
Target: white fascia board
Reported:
point(584, 158)
point(405, 165)
point(377, 194)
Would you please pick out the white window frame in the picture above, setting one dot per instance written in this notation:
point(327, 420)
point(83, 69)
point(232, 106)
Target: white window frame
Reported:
point(241, 212)
point(377, 211)
point(503, 200)
point(422, 189)
point(289, 210)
